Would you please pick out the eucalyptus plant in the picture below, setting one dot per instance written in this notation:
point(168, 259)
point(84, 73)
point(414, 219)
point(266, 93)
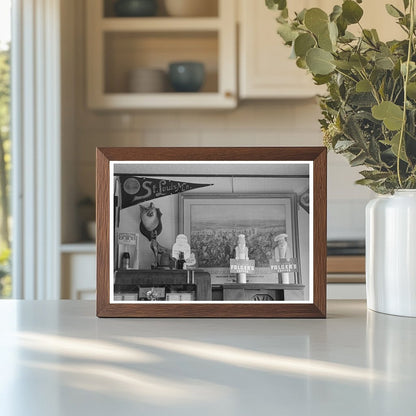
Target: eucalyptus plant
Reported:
point(369, 111)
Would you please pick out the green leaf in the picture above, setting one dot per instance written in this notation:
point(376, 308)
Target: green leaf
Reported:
point(333, 32)
point(388, 112)
point(345, 65)
point(358, 61)
point(316, 20)
point(287, 33)
point(319, 61)
point(374, 150)
point(282, 20)
point(358, 160)
point(384, 62)
point(321, 79)
point(394, 145)
point(411, 90)
point(343, 145)
point(301, 63)
point(412, 67)
point(336, 12)
point(347, 37)
point(365, 182)
point(374, 174)
point(363, 86)
point(303, 43)
point(354, 132)
point(301, 15)
point(382, 89)
point(276, 4)
point(368, 36)
point(342, 25)
point(393, 11)
point(351, 11)
point(375, 35)
point(362, 99)
point(325, 42)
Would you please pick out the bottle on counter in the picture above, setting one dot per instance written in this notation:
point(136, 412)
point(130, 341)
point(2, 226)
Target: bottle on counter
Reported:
point(181, 261)
point(125, 261)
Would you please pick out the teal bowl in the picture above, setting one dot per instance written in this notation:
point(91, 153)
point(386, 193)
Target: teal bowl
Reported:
point(135, 8)
point(186, 76)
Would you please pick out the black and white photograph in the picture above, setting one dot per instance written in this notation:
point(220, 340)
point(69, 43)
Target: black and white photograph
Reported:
point(211, 231)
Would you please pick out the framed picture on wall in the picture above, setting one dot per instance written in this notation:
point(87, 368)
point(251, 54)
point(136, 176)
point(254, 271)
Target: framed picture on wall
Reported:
point(211, 232)
point(213, 223)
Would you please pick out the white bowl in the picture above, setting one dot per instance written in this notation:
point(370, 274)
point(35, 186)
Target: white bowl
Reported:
point(191, 8)
point(147, 80)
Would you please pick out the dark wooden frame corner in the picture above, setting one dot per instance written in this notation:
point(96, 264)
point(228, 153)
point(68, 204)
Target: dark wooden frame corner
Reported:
point(317, 309)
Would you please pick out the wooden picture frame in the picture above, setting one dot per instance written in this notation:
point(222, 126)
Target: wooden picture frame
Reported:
point(129, 179)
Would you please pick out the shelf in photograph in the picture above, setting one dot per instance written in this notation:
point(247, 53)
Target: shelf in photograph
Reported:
point(196, 100)
point(81, 247)
point(160, 24)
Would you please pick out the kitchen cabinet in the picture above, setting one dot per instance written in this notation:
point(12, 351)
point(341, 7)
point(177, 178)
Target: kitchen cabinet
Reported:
point(265, 70)
point(118, 45)
point(78, 263)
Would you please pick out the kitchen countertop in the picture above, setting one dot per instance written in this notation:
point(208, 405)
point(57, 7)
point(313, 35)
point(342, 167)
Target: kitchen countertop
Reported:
point(57, 358)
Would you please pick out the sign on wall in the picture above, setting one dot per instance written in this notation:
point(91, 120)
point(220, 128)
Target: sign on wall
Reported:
point(138, 189)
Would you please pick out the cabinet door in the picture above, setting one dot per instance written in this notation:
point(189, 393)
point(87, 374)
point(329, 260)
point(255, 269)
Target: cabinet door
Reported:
point(265, 68)
point(78, 276)
point(266, 71)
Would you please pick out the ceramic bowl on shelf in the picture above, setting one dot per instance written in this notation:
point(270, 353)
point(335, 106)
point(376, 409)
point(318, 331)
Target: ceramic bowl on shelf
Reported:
point(186, 76)
point(191, 8)
point(92, 230)
point(135, 8)
point(147, 80)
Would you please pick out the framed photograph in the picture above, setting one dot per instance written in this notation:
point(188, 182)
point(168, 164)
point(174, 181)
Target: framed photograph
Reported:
point(211, 232)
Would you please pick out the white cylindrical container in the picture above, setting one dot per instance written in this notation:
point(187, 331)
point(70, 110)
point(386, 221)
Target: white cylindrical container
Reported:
point(242, 278)
point(391, 253)
point(147, 80)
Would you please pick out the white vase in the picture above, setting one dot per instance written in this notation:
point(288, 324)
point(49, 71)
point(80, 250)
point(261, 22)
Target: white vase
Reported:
point(391, 253)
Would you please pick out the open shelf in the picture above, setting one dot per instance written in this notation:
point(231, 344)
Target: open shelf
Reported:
point(126, 51)
point(86, 247)
point(116, 46)
point(209, 9)
point(160, 24)
point(167, 100)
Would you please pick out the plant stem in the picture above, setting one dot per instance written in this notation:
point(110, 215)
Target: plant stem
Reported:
point(406, 79)
point(346, 75)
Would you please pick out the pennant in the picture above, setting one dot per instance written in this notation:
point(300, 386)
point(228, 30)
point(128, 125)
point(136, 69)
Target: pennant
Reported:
point(138, 189)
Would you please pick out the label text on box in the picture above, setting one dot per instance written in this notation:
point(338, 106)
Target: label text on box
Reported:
point(242, 266)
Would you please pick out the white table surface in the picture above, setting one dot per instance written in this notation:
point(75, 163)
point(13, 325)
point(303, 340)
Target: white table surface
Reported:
point(57, 358)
